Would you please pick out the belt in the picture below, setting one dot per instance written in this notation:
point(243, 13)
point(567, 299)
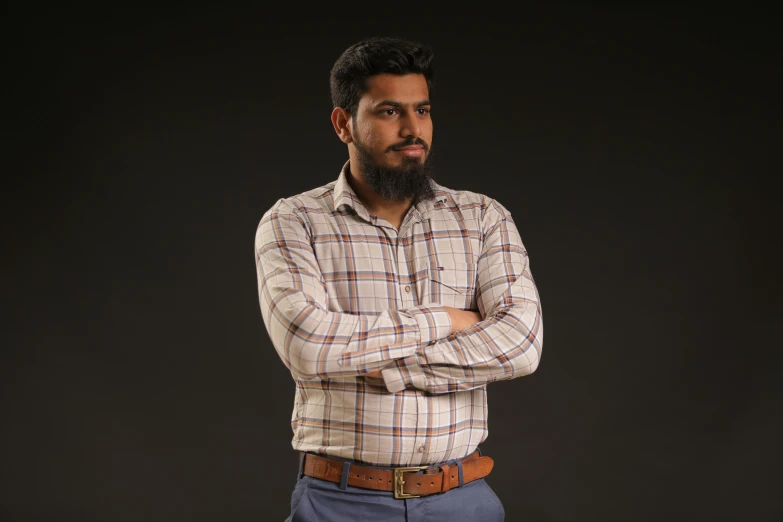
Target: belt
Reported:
point(408, 482)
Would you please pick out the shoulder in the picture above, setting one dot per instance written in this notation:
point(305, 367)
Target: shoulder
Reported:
point(315, 200)
point(297, 210)
point(471, 205)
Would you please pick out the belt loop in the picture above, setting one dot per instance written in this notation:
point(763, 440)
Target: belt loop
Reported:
point(461, 475)
point(344, 476)
point(301, 465)
point(446, 484)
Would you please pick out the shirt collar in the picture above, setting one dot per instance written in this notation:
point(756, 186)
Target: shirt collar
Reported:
point(345, 195)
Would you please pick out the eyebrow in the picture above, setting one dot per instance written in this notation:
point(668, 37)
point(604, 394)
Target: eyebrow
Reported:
point(397, 104)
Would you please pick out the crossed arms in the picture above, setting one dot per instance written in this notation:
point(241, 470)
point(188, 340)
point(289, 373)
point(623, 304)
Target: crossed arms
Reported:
point(429, 347)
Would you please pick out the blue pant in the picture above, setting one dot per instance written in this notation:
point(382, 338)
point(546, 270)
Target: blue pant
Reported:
point(316, 500)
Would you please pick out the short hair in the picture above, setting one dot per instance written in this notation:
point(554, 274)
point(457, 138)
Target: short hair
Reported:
point(372, 56)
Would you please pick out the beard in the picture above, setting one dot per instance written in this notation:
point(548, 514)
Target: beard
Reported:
point(411, 180)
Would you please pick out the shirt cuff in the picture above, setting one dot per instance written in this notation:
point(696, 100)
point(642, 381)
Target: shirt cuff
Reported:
point(434, 322)
point(404, 373)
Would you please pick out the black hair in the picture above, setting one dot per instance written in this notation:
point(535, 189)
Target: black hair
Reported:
point(372, 56)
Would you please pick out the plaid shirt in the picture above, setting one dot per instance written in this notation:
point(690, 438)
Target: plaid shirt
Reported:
point(343, 293)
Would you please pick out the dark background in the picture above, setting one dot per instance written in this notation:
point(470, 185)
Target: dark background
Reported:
point(633, 146)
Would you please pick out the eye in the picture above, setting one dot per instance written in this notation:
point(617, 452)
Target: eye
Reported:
point(422, 111)
point(389, 112)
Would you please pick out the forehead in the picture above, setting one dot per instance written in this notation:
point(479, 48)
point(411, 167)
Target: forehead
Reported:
point(409, 88)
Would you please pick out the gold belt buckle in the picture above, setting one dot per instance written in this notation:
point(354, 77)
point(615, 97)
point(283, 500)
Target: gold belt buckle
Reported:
point(399, 482)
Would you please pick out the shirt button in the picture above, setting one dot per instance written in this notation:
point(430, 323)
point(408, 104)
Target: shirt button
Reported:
point(421, 449)
point(407, 288)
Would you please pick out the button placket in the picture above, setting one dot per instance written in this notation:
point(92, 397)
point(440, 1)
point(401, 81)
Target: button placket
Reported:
point(420, 442)
point(403, 269)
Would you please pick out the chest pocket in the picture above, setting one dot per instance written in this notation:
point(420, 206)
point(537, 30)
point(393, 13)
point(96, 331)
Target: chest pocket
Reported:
point(453, 284)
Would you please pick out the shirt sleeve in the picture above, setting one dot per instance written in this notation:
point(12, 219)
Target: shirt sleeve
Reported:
point(313, 342)
point(506, 344)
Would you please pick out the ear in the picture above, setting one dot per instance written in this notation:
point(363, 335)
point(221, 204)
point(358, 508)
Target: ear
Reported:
point(341, 121)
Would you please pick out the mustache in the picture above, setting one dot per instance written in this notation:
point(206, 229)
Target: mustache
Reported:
point(408, 142)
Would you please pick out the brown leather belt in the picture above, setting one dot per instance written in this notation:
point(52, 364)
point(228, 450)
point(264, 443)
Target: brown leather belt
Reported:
point(407, 482)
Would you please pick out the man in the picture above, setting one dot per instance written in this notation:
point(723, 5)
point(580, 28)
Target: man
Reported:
point(393, 301)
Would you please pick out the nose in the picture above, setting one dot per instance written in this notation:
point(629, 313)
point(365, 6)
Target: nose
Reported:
point(410, 125)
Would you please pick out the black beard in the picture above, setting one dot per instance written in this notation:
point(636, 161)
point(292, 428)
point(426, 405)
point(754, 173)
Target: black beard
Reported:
point(411, 180)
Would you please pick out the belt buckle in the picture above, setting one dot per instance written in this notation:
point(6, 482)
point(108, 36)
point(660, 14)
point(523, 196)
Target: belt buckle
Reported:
point(399, 482)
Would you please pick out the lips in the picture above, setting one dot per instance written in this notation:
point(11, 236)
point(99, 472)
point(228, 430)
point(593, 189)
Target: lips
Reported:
point(415, 151)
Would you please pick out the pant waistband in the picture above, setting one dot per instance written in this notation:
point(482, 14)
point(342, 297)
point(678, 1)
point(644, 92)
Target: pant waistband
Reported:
point(404, 482)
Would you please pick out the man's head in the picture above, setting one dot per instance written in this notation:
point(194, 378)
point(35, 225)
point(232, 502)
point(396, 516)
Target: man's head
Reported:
point(381, 91)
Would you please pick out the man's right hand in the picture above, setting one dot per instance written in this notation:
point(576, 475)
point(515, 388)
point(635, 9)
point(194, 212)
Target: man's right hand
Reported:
point(461, 319)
